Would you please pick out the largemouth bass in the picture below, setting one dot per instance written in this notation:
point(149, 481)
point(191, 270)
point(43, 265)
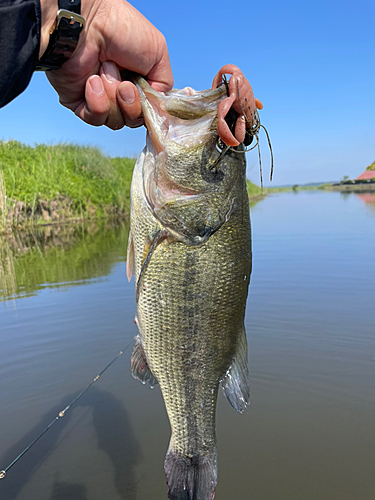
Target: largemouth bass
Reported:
point(190, 250)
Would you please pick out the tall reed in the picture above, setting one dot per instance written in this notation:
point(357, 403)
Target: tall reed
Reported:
point(3, 204)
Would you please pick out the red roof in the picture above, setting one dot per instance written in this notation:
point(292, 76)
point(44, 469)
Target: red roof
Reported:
point(367, 175)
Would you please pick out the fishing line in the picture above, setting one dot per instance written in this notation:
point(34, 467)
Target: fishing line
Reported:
point(271, 152)
point(3, 472)
point(254, 129)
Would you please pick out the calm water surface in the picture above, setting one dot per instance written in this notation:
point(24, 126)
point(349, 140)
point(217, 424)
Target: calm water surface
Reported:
point(309, 433)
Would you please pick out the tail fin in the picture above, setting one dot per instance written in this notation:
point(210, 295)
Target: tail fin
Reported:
point(191, 478)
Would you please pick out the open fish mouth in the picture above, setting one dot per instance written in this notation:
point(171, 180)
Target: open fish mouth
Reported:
point(182, 134)
point(179, 116)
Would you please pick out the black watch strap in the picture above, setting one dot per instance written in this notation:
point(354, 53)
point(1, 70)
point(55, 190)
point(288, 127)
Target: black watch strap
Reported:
point(64, 36)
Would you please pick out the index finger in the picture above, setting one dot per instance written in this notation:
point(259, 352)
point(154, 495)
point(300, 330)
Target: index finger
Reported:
point(160, 77)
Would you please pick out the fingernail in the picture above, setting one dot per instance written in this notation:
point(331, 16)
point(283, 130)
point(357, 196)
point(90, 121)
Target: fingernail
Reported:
point(96, 84)
point(127, 94)
point(110, 71)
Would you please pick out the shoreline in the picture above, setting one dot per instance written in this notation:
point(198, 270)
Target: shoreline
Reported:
point(33, 225)
point(54, 214)
point(59, 184)
point(350, 188)
point(67, 184)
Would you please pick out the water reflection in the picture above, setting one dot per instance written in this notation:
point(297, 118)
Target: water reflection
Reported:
point(116, 440)
point(7, 272)
point(59, 256)
point(114, 435)
point(368, 198)
point(62, 491)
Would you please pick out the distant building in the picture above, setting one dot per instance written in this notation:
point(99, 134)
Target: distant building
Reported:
point(366, 176)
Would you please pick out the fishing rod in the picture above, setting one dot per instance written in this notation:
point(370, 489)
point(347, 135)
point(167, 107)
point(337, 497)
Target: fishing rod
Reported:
point(62, 413)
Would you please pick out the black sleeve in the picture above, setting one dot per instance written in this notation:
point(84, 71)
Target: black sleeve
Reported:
point(20, 22)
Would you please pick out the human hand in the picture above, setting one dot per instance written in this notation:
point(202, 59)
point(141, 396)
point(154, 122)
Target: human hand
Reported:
point(116, 36)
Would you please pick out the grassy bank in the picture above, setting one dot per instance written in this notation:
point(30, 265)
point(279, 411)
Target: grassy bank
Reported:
point(65, 182)
point(61, 182)
point(296, 188)
point(351, 187)
point(255, 192)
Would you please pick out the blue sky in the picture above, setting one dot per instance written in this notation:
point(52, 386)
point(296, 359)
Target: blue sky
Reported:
point(312, 64)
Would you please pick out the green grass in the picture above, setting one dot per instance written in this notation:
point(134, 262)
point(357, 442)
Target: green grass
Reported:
point(295, 188)
point(253, 189)
point(92, 182)
point(81, 180)
point(255, 193)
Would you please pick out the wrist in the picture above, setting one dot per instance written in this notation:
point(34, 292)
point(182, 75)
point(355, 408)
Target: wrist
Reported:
point(49, 10)
point(64, 34)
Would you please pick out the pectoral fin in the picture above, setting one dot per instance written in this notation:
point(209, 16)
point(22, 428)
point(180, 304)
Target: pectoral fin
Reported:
point(150, 246)
point(130, 258)
point(236, 381)
point(139, 365)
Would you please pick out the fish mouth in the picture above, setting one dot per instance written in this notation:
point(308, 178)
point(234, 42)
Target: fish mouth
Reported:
point(181, 116)
point(181, 139)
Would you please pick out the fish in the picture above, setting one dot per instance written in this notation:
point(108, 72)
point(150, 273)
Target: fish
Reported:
point(190, 251)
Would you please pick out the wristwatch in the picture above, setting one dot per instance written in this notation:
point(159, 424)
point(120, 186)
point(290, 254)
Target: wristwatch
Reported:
point(65, 33)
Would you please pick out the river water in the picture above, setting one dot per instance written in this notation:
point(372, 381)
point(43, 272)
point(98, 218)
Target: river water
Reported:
point(67, 309)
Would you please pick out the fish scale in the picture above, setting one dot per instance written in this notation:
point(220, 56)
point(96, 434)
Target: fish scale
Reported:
point(191, 302)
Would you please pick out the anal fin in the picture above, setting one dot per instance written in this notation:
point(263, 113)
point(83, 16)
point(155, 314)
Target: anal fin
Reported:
point(235, 384)
point(139, 365)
